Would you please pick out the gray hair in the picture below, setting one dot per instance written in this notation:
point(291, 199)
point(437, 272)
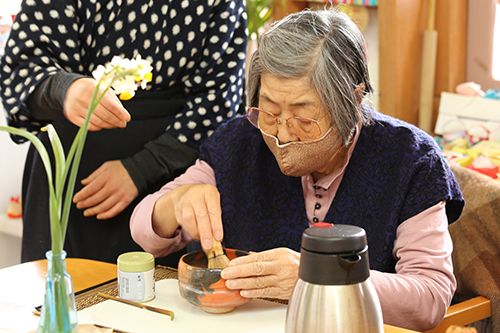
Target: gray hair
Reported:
point(325, 46)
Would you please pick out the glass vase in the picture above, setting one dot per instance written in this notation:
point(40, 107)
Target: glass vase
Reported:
point(59, 306)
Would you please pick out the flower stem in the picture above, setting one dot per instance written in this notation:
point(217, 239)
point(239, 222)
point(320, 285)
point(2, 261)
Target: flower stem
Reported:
point(74, 160)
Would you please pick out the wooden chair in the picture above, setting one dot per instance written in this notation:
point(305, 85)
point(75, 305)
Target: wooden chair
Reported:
point(464, 313)
point(476, 254)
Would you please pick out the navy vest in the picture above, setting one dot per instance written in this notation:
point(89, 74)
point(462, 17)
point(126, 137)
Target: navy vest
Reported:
point(396, 171)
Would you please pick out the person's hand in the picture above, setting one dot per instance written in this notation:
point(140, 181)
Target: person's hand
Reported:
point(195, 208)
point(107, 191)
point(272, 273)
point(110, 112)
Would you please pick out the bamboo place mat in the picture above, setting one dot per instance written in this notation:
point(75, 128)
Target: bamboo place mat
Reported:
point(89, 297)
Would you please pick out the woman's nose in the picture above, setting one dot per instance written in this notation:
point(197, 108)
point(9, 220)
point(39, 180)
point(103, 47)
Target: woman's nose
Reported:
point(285, 133)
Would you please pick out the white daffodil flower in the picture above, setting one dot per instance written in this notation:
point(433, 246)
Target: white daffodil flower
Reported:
point(125, 75)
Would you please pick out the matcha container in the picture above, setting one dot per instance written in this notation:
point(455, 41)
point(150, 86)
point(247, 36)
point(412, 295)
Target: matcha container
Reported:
point(136, 280)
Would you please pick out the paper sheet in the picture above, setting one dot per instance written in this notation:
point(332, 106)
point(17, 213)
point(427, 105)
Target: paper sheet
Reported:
point(256, 316)
point(467, 111)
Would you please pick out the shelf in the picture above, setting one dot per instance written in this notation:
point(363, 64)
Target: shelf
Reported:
point(11, 227)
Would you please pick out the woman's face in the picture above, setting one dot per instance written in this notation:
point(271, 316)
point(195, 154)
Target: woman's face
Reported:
point(286, 98)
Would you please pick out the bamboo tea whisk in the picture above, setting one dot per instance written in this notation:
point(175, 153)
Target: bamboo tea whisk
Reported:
point(216, 256)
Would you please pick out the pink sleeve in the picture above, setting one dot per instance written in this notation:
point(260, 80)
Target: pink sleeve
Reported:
point(424, 284)
point(141, 226)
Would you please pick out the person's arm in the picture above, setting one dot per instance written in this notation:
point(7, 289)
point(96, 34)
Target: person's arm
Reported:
point(141, 222)
point(113, 186)
point(421, 291)
point(213, 94)
point(30, 57)
point(38, 80)
point(68, 94)
point(47, 100)
point(164, 157)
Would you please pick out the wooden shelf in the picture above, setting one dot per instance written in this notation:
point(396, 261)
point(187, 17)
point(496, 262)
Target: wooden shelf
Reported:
point(10, 226)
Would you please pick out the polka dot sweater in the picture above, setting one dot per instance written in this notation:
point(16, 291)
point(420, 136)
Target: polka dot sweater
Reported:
point(199, 45)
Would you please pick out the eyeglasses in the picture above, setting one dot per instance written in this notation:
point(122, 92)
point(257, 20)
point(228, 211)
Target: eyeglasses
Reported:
point(304, 128)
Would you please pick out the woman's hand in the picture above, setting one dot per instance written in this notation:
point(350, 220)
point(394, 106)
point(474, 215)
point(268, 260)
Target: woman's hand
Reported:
point(110, 112)
point(107, 191)
point(271, 273)
point(195, 208)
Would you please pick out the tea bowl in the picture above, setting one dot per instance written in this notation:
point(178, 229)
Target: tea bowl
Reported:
point(204, 287)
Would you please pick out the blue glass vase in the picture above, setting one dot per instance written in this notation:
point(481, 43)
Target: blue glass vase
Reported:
point(59, 306)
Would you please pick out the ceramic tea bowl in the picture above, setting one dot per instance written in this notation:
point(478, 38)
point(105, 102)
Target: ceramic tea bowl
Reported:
point(204, 286)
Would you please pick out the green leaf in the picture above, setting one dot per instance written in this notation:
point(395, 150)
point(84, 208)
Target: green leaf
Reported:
point(68, 198)
point(59, 159)
point(55, 227)
point(259, 12)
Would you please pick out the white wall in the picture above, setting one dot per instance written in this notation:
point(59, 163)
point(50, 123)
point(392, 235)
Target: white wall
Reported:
point(12, 158)
point(10, 250)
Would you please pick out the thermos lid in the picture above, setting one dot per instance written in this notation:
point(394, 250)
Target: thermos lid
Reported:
point(334, 255)
point(330, 239)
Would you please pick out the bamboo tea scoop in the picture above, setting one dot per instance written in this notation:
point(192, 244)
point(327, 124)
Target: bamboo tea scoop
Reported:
point(139, 305)
point(216, 256)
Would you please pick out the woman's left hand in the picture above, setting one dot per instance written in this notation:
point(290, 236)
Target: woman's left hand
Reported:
point(270, 273)
point(107, 191)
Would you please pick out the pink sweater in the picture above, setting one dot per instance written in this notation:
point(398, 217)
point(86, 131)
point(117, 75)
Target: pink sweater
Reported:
point(418, 294)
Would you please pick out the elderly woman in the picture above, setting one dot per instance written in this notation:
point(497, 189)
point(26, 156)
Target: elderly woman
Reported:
point(310, 150)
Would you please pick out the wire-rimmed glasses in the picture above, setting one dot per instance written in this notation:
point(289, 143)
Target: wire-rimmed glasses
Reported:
point(304, 128)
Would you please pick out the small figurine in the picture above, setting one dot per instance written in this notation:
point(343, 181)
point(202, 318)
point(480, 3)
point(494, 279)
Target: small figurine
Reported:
point(14, 210)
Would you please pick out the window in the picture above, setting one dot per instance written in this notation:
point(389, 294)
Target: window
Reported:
point(496, 44)
point(483, 43)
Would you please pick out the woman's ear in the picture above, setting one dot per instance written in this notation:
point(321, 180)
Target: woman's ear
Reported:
point(360, 92)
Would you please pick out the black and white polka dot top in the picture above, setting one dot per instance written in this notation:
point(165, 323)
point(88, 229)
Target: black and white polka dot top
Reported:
point(197, 44)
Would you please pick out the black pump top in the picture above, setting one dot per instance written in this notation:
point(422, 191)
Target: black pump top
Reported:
point(334, 255)
point(331, 239)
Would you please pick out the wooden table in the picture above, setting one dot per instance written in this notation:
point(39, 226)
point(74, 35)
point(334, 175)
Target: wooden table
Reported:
point(22, 287)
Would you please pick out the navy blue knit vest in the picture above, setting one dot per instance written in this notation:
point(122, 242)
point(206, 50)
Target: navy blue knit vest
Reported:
point(396, 171)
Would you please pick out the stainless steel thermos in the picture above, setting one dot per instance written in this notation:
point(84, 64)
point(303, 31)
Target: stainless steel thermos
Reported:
point(334, 292)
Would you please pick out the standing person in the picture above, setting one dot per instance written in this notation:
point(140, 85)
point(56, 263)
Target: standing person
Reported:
point(197, 50)
point(311, 150)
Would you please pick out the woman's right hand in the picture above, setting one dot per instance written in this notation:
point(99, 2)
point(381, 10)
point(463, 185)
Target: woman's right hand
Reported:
point(195, 208)
point(110, 112)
